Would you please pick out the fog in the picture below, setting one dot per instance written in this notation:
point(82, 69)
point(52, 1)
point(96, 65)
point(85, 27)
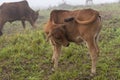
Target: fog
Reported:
point(49, 3)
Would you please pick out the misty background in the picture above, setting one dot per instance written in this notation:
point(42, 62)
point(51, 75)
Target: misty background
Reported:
point(43, 4)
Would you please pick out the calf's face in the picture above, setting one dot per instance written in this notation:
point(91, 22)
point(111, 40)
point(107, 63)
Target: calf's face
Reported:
point(58, 36)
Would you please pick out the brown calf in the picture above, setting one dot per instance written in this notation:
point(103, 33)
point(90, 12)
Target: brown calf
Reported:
point(84, 27)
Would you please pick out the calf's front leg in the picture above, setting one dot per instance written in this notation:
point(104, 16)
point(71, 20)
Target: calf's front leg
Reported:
point(56, 55)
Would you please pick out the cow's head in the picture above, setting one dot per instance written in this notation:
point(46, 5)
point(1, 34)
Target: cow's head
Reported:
point(58, 35)
point(35, 16)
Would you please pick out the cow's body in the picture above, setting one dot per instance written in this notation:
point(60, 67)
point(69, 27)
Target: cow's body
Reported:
point(84, 26)
point(13, 11)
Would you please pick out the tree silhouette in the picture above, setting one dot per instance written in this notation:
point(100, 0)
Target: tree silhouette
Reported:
point(64, 2)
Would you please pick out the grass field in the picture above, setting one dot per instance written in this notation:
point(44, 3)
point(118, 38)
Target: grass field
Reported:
point(25, 55)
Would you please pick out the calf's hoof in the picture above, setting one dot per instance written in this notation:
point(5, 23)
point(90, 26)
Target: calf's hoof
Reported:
point(53, 70)
point(92, 74)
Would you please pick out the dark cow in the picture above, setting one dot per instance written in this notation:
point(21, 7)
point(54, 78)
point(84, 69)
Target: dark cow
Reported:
point(13, 11)
point(83, 27)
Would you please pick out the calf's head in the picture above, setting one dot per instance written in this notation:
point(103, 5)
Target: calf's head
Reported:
point(58, 35)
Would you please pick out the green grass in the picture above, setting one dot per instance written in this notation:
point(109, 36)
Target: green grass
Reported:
point(25, 55)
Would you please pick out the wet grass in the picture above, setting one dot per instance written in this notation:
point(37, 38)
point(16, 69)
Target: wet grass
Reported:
point(25, 55)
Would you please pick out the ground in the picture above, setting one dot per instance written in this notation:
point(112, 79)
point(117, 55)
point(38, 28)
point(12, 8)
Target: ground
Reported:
point(25, 54)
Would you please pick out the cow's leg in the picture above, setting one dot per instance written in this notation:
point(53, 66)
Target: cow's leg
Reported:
point(56, 54)
point(1, 27)
point(1, 33)
point(94, 51)
point(23, 23)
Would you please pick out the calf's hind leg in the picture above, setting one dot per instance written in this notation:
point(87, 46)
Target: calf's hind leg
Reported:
point(94, 51)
